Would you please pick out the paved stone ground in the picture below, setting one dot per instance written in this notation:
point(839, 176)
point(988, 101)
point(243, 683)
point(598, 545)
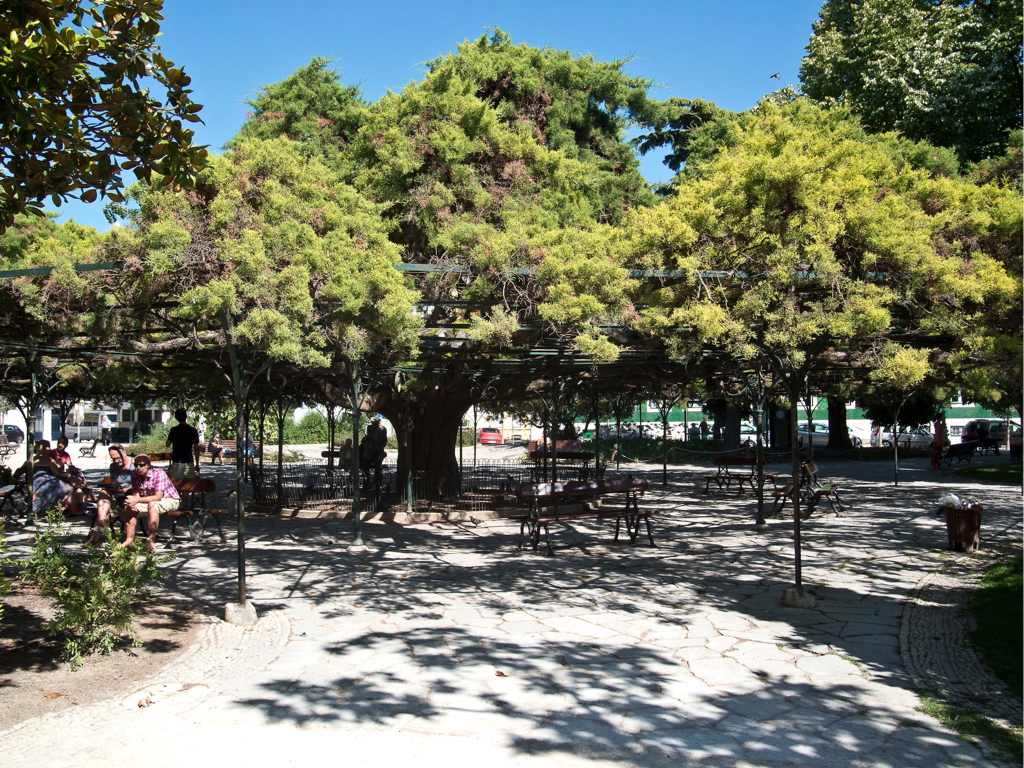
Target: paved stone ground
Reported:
point(443, 645)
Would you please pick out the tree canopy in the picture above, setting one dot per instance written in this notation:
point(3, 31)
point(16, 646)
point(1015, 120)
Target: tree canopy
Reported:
point(824, 239)
point(945, 71)
point(78, 107)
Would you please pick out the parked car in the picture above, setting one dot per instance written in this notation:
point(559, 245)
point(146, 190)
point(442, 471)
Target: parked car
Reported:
point(989, 434)
point(1015, 440)
point(490, 436)
point(820, 435)
point(918, 437)
point(13, 433)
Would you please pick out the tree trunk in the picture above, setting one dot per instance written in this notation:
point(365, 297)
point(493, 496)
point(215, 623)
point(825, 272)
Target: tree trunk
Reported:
point(838, 433)
point(732, 426)
point(664, 449)
point(794, 395)
point(436, 417)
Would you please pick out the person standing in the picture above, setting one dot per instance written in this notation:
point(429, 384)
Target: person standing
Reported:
point(373, 450)
point(104, 429)
point(185, 448)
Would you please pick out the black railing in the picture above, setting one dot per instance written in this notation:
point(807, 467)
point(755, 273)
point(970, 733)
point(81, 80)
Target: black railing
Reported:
point(476, 487)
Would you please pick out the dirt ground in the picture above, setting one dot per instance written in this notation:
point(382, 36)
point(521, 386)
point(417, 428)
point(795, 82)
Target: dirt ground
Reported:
point(33, 679)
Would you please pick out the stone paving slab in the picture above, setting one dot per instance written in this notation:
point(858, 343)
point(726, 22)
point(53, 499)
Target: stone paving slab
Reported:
point(442, 645)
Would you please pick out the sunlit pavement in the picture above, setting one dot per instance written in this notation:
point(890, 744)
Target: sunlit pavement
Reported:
point(441, 644)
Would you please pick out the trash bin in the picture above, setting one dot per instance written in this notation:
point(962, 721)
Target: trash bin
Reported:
point(963, 526)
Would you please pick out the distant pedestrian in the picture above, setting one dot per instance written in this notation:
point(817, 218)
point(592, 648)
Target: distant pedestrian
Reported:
point(185, 447)
point(373, 450)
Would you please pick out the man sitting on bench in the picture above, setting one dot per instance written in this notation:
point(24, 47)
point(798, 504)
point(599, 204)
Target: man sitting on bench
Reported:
point(152, 494)
point(120, 473)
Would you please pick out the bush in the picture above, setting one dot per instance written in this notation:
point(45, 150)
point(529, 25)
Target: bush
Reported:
point(312, 428)
point(154, 442)
point(94, 591)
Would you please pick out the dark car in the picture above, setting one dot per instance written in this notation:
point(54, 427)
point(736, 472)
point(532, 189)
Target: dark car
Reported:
point(988, 434)
point(13, 433)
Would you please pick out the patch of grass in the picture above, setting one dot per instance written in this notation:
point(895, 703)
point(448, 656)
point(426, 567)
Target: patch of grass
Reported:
point(997, 610)
point(1008, 474)
point(975, 727)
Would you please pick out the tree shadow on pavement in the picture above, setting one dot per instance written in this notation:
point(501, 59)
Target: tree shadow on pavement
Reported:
point(608, 701)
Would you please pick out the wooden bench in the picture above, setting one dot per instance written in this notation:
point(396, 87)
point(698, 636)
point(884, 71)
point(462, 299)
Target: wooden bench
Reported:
point(725, 478)
point(11, 494)
point(812, 492)
point(219, 453)
point(88, 451)
point(7, 448)
point(960, 452)
point(193, 509)
point(563, 502)
point(228, 446)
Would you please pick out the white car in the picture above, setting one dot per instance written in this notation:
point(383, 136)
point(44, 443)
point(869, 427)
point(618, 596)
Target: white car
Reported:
point(920, 437)
point(819, 437)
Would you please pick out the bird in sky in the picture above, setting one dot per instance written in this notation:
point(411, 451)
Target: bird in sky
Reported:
point(774, 76)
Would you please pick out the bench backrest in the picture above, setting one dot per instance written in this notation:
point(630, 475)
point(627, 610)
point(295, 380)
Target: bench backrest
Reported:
point(195, 485)
point(962, 448)
point(545, 493)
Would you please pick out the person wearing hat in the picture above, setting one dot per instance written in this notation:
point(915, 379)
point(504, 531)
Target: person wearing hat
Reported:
point(152, 494)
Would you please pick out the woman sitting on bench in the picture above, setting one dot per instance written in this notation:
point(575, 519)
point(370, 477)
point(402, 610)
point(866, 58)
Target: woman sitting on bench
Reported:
point(215, 449)
point(54, 482)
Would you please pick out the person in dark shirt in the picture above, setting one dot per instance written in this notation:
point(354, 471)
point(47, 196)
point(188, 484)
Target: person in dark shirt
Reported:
point(373, 450)
point(185, 448)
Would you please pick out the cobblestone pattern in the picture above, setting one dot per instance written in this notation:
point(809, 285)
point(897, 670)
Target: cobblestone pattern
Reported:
point(936, 646)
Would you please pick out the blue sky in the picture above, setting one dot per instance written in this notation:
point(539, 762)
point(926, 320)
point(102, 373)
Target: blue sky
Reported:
point(722, 51)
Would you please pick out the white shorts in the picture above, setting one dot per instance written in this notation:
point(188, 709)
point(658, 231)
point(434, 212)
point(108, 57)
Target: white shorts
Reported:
point(163, 506)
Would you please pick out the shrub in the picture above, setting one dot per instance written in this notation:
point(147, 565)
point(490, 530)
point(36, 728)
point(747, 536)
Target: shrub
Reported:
point(94, 591)
point(154, 442)
point(312, 428)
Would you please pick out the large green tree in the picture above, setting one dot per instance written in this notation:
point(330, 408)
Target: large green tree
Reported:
point(806, 243)
point(503, 159)
point(85, 94)
point(946, 71)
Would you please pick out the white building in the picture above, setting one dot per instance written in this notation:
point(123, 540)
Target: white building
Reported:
point(126, 421)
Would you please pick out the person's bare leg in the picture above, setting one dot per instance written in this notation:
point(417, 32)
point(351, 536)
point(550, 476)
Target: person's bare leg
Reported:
point(74, 502)
point(130, 521)
point(99, 529)
point(153, 523)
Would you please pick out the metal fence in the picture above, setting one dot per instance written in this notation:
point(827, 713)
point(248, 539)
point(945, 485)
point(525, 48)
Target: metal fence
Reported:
point(476, 486)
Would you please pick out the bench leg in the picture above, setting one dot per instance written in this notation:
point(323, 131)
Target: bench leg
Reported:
point(618, 522)
point(547, 539)
point(525, 533)
point(779, 504)
point(650, 533)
